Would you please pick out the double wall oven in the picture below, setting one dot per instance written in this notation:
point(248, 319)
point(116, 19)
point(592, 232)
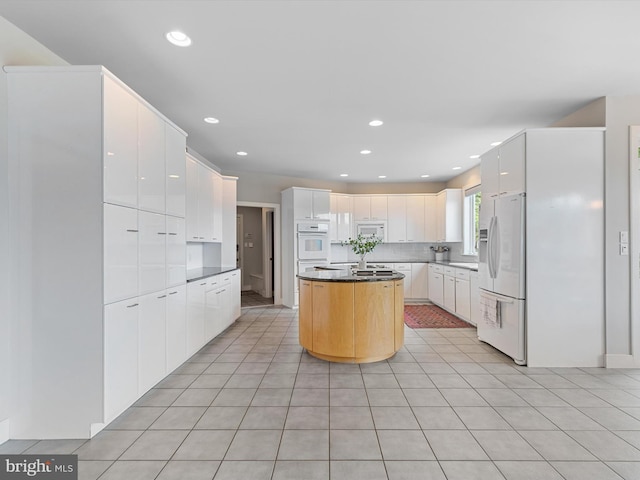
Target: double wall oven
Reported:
point(312, 248)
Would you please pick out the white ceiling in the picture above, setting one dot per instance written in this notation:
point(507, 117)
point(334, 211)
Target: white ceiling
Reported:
point(295, 83)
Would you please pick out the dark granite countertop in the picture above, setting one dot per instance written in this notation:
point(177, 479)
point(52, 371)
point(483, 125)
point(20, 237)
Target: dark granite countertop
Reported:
point(345, 275)
point(200, 273)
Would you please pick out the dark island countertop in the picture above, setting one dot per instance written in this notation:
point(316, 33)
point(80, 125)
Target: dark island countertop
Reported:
point(194, 274)
point(346, 275)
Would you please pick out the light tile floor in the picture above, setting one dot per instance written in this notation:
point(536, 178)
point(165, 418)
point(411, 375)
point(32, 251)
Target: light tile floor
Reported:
point(252, 405)
point(250, 298)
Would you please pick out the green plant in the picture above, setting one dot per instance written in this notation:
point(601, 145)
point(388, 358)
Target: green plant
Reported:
point(362, 245)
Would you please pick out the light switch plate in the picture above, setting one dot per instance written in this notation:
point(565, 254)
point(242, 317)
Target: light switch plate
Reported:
point(624, 237)
point(624, 249)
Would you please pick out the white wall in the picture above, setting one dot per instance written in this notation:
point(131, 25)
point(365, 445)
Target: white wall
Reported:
point(591, 115)
point(16, 48)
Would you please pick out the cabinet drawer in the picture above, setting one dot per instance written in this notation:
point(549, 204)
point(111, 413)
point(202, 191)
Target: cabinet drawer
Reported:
point(462, 273)
point(436, 268)
point(403, 267)
point(450, 271)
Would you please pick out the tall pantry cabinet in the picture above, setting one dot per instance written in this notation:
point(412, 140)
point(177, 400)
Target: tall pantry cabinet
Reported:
point(99, 207)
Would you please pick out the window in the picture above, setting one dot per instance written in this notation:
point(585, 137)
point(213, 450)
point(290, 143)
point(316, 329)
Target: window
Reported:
point(471, 229)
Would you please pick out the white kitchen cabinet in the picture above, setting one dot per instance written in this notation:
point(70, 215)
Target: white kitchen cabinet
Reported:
point(474, 297)
point(449, 301)
point(463, 300)
point(340, 218)
point(406, 218)
point(405, 268)
point(192, 220)
point(449, 215)
point(229, 240)
point(217, 202)
point(120, 156)
point(81, 201)
point(436, 284)
point(205, 204)
point(175, 164)
point(151, 161)
point(176, 325)
point(176, 253)
point(370, 207)
point(430, 218)
point(419, 281)
point(152, 340)
point(196, 300)
point(152, 274)
point(120, 357)
point(311, 204)
point(213, 312)
point(234, 296)
point(120, 253)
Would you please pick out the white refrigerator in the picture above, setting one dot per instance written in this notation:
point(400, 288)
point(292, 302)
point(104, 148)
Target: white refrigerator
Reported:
point(501, 267)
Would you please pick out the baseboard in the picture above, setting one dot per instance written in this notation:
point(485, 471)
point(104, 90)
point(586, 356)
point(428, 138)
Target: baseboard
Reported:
point(96, 428)
point(4, 431)
point(615, 360)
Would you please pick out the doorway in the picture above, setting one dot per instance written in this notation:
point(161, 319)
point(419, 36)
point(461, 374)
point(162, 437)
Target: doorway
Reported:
point(257, 253)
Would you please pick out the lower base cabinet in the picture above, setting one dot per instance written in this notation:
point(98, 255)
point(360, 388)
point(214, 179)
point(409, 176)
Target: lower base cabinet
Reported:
point(449, 293)
point(436, 284)
point(176, 327)
point(152, 340)
point(196, 300)
point(463, 300)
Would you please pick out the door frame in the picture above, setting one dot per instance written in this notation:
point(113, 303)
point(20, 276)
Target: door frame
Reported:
point(634, 240)
point(267, 251)
point(277, 261)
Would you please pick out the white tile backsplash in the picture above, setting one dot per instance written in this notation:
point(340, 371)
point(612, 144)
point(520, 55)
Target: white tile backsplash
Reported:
point(400, 252)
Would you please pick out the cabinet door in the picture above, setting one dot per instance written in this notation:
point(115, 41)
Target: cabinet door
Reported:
point(333, 319)
point(334, 214)
point(302, 204)
point(175, 163)
point(441, 209)
point(512, 158)
point(362, 207)
point(450, 211)
point(236, 292)
point(398, 314)
point(205, 204)
point(213, 313)
point(474, 297)
point(176, 251)
point(490, 173)
point(151, 161)
point(463, 306)
point(419, 280)
point(374, 313)
point(152, 340)
point(415, 218)
point(430, 218)
point(195, 316)
point(151, 252)
point(436, 287)
point(321, 208)
point(120, 253)
point(405, 268)
point(450, 293)
point(217, 207)
point(379, 207)
point(120, 357)
point(344, 218)
point(192, 218)
point(397, 224)
point(176, 326)
point(229, 242)
point(306, 314)
point(120, 145)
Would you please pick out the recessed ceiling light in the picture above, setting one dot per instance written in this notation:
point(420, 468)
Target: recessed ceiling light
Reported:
point(495, 144)
point(344, 174)
point(211, 120)
point(457, 168)
point(376, 123)
point(174, 176)
point(382, 176)
point(178, 38)
point(365, 152)
point(424, 176)
point(474, 156)
point(504, 173)
point(242, 154)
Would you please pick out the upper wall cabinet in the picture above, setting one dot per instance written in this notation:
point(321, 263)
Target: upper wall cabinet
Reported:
point(311, 204)
point(449, 215)
point(406, 218)
point(370, 207)
point(204, 203)
point(176, 175)
point(341, 217)
point(151, 161)
point(503, 169)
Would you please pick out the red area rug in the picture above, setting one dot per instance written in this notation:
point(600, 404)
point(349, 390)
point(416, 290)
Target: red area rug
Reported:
point(431, 316)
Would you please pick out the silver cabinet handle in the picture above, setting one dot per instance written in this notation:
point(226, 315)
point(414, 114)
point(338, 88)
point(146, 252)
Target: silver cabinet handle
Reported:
point(173, 293)
point(195, 237)
point(319, 286)
point(203, 283)
point(173, 233)
point(132, 230)
point(162, 296)
point(134, 305)
point(162, 233)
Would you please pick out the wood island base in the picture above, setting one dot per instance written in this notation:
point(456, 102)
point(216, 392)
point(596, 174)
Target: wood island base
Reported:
point(352, 321)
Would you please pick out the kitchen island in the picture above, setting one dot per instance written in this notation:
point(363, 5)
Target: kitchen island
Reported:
point(350, 318)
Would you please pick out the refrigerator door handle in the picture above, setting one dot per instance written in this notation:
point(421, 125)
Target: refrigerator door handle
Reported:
point(490, 242)
point(497, 296)
point(496, 244)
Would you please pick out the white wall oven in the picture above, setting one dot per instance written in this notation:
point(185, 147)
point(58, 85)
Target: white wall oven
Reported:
point(313, 241)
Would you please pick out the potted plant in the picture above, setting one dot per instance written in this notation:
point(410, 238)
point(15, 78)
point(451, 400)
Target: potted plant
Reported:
point(362, 245)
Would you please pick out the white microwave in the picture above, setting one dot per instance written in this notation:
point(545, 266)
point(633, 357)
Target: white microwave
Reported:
point(372, 229)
